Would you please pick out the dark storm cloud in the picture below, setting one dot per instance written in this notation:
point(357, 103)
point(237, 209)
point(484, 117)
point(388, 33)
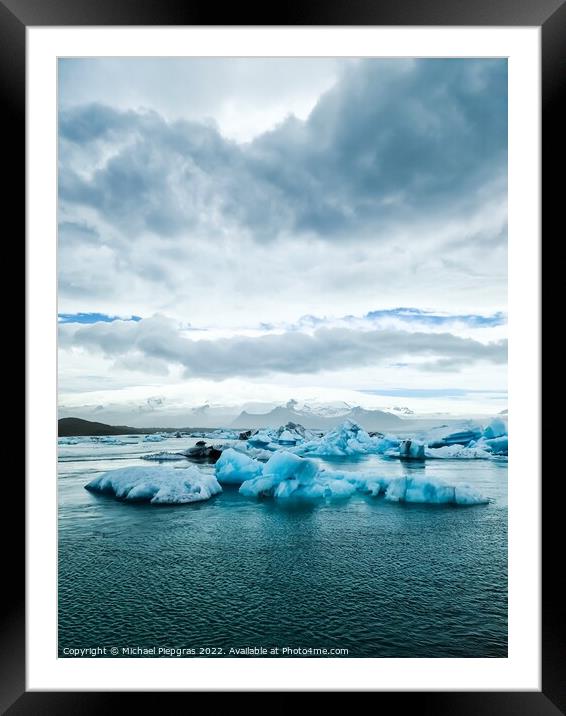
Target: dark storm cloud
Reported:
point(291, 353)
point(391, 140)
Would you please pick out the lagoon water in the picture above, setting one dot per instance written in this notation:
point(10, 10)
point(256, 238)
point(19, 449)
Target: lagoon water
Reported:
point(377, 579)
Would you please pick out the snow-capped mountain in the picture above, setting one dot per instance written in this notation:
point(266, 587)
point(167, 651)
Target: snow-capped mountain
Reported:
point(323, 410)
point(400, 410)
point(371, 420)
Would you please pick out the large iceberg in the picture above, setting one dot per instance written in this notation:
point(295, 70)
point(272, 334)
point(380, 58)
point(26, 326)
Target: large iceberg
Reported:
point(286, 475)
point(157, 485)
point(233, 467)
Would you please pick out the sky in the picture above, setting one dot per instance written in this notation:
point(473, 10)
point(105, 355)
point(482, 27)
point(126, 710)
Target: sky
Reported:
point(241, 232)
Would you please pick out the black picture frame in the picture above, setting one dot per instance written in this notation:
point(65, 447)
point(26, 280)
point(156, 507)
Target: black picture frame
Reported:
point(550, 16)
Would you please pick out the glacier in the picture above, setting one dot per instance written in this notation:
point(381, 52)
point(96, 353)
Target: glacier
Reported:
point(157, 485)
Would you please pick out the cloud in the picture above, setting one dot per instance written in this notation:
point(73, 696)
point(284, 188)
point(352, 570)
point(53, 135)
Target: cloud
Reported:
point(398, 317)
point(433, 392)
point(362, 186)
point(391, 139)
point(326, 349)
point(391, 192)
point(244, 97)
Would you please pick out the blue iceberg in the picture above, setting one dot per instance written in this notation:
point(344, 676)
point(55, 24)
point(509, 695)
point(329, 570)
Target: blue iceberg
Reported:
point(157, 485)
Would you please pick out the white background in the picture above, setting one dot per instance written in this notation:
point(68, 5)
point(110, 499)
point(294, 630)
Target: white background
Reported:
point(521, 670)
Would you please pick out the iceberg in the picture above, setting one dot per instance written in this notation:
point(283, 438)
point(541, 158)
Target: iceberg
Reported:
point(287, 438)
point(257, 453)
point(432, 492)
point(496, 429)
point(287, 475)
point(234, 467)
point(463, 435)
point(411, 450)
point(458, 452)
point(107, 440)
point(347, 439)
point(293, 433)
point(261, 439)
point(221, 434)
point(157, 485)
point(498, 446)
point(154, 438)
point(287, 435)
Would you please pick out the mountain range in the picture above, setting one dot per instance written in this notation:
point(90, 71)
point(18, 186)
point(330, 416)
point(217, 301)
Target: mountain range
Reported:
point(281, 415)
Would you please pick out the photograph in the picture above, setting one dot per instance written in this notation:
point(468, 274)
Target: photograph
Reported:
point(282, 380)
